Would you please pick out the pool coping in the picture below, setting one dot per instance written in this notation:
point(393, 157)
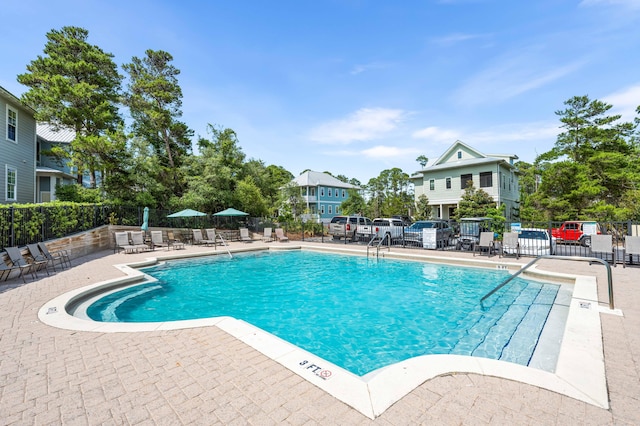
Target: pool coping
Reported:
point(579, 372)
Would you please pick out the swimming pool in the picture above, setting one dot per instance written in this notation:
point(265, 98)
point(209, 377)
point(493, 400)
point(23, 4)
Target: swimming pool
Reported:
point(358, 313)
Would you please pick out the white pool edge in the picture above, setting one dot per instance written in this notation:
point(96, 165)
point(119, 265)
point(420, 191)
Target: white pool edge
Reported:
point(580, 370)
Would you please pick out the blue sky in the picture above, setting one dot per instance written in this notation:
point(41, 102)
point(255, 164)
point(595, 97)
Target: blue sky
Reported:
point(355, 87)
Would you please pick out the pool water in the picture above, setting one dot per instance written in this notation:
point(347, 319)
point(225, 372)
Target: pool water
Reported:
point(358, 313)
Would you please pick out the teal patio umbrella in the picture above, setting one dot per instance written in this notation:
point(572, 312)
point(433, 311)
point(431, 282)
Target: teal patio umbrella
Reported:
point(187, 213)
point(145, 220)
point(231, 212)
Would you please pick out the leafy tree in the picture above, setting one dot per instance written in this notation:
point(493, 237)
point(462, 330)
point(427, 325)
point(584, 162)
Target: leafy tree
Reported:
point(423, 209)
point(422, 160)
point(389, 193)
point(291, 201)
point(76, 85)
point(354, 204)
point(474, 203)
point(154, 98)
point(250, 198)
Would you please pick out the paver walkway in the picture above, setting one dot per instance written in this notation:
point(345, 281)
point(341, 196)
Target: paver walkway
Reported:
point(205, 376)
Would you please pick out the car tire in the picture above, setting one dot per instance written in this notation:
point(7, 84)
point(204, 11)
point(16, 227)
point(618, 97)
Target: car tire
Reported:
point(585, 241)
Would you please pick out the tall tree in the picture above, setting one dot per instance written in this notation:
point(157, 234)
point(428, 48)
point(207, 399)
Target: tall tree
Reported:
point(422, 160)
point(154, 98)
point(76, 85)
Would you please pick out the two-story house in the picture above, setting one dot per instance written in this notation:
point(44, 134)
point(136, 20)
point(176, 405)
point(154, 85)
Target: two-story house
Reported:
point(17, 150)
point(51, 172)
point(444, 182)
point(323, 194)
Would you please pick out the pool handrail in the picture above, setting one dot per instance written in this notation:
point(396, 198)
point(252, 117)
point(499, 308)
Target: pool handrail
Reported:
point(580, 258)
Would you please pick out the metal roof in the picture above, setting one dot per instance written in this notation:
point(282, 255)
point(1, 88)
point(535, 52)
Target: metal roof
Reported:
point(311, 178)
point(49, 133)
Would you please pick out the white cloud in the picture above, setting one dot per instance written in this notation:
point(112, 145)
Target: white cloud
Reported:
point(386, 152)
point(437, 134)
point(625, 102)
point(364, 124)
point(510, 77)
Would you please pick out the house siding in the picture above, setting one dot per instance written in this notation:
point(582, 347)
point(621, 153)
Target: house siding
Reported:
point(21, 154)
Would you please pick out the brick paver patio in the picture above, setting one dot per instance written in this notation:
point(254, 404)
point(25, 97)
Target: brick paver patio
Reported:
point(205, 376)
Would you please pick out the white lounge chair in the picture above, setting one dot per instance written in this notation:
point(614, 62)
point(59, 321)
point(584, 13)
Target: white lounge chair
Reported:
point(137, 239)
point(280, 235)
point(157, 240)
point(198, 239)
point(266, 236)
point(603, 244)
point(244, 235)
point(123, 243)
point(486, 242)
point(631, 247)
point(510, 245)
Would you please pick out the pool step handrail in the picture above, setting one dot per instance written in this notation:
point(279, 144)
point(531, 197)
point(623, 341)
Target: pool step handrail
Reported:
point(583, 259)
point(224, 243)
point(380, 242)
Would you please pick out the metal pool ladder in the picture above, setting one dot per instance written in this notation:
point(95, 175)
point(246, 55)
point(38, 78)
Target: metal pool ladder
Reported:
point(382, 240)
point(583, 259)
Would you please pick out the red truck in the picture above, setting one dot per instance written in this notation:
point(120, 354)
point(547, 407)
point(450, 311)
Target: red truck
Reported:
point(576, 232)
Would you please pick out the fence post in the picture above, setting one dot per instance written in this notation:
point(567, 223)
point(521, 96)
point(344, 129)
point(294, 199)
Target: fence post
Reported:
point(43, 226)
point(11, 226)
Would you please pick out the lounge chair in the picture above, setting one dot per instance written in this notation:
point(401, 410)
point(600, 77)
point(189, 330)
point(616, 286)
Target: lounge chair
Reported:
point(174, 242)
point(5, 270)
point(122, 243)
point(267, 237)
point(39, 259)
point(603, 244)
point(157, 240)
point(510, 245)
point(198, 239)
point(17, 260)
point(61, 256)
point(631, 247)
point(280, 235)
point(486, 242)
point(211, 235)
point(137, 239)
point(244, 235)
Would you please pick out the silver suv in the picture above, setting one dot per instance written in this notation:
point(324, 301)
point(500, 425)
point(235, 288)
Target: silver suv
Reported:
point(413, 234)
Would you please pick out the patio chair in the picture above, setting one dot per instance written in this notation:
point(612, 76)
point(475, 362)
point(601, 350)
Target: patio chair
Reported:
point(61, 256)
point(510, 245)
point(17, 260)
point(158, 241)
point(631, 247)
point(39, 259)
point(5, 270)
point(486, 242)
point(198, 239)
point(174, 242)
point(280, 235)
point(137, 239)
point(122, 243)
point(603, 244)
point(211, 235)
point(244, 235)
point(266, 236)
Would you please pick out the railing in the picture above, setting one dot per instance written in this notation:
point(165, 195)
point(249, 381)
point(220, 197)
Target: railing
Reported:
point(224, 243)
point(583, 259)
point(380, 242)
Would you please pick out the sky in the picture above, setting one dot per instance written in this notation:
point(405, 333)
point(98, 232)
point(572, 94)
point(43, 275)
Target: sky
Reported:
point(354, 87)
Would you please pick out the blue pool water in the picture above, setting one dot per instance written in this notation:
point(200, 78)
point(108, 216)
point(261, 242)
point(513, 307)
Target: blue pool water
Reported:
point(359, 313)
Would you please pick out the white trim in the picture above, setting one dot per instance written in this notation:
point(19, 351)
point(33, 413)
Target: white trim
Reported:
point(8, 167)
point(6, 129)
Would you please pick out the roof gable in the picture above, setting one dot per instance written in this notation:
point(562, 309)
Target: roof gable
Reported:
point(311, 178)
point(466, 153)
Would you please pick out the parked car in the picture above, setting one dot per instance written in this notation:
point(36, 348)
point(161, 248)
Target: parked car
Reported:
point(380, 227)
point(470, 229)
point(413, 234)
point(534, 242)
point(346, 226)
point(576, 231)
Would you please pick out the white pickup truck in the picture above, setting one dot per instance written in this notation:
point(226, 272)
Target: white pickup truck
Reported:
point(380, 227)
point(347, 226)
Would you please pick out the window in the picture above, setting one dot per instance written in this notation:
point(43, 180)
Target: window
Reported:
point(344, 193)
point(448, 182)
point(459, 155)
point(465, 179)
point(486, 179)
point(11, 174)
point(313, 192)
point(12, 124)
point(337, 209)
point(432, 184)
point(321, 208)
point(330, 194)
point(330, 209)
point(322, 192)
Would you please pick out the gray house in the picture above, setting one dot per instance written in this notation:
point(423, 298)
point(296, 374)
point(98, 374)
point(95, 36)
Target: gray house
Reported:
point(444, 182)
point(50, 172)
point(17, 150)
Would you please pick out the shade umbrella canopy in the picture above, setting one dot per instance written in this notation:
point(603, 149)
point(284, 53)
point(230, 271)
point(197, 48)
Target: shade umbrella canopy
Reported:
point(145, 220)
point(231, 212)
point(187, 213)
